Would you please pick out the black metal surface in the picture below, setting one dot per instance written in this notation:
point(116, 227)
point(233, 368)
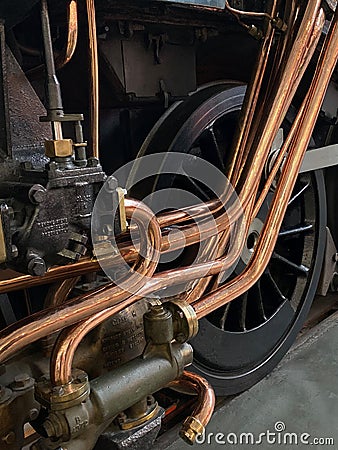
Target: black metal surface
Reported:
point(14, 11)
point(52, 213)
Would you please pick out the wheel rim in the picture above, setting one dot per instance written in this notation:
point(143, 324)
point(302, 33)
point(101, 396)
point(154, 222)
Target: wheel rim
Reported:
point(252, 333)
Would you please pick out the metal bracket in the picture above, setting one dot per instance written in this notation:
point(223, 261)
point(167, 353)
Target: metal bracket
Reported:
point(329, 265)
point(319, 158)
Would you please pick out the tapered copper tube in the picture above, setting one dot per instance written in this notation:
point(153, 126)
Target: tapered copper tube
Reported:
point(72, 36)
point(205, 404)
point(304, 127)
point(94, 78)
point(14, 338)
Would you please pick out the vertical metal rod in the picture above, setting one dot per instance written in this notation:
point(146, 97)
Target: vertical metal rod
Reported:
point(5, 135)
point(94, 78)
point(54, 107)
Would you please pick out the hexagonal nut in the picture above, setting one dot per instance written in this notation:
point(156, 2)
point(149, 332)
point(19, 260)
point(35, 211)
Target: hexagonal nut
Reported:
point(60, 148)
point(37, 194)
point(37, 266)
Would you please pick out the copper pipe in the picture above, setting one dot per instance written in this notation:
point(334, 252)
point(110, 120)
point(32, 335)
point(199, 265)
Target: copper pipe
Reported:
point(202, 413)
point(59, 292)
point(315, 36)
point(14, 338)
point(69, 339)
point(308, 44)
point(282, 96)
point(72, 36)
point(54, 274)
point(94, 78)
point(79, 309)
point(250, 128)
point(304, 126)
point(250, 101)
point(239, 12)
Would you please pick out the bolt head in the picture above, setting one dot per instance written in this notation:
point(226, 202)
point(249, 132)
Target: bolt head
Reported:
point(33, 414)
point(111, 184)
point(37, 267)
point(37, 194)
point(92, 162)
point(14, 251)
point(21, 381)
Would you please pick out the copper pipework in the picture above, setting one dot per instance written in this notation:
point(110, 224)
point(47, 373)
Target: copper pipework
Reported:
point(59, 292)
point(195, 424)
point(17, 281)
point(80, 309)
point(72, 35)
point(253, 14)
point(69, 339)
point(281, 97)
point(304, 126)
point(94, 78)
point(250, 100)
point(48, 321)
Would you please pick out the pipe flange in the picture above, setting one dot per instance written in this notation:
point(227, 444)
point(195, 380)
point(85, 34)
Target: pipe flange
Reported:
point(58, 398)
point(184, 320)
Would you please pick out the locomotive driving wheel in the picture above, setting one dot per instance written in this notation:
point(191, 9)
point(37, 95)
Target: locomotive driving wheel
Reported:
point(240, 343)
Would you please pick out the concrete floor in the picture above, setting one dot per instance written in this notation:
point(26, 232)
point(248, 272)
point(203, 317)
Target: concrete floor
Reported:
point(300, 396)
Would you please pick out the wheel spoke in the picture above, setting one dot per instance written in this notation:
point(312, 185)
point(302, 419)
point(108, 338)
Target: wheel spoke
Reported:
point(202, 194)
point(224, 316)
point(209, 138)
point(296, 230)
point(299, 193)
point(242, 317)
point(259, 300)
point(298, 269)
point(275, 286)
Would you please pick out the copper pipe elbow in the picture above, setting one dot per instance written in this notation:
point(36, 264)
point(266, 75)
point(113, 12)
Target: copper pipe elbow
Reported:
point(195, 424)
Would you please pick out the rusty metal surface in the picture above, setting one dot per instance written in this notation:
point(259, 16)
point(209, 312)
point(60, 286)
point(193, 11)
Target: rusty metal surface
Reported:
point(25, 108)
point(5, 143)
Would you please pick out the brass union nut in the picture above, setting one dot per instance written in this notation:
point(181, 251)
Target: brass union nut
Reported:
point(59, 148)
point(191, 428)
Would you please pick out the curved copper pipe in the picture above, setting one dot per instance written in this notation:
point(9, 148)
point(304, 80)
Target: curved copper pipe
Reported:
point(81, 308)
point(44, 323)
point(69, 339)
point(253, 14)
point(72, 35)
point(94, 78)
point(304, 126)
point(308, 41)
point(59, 292)
point(202, 413)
